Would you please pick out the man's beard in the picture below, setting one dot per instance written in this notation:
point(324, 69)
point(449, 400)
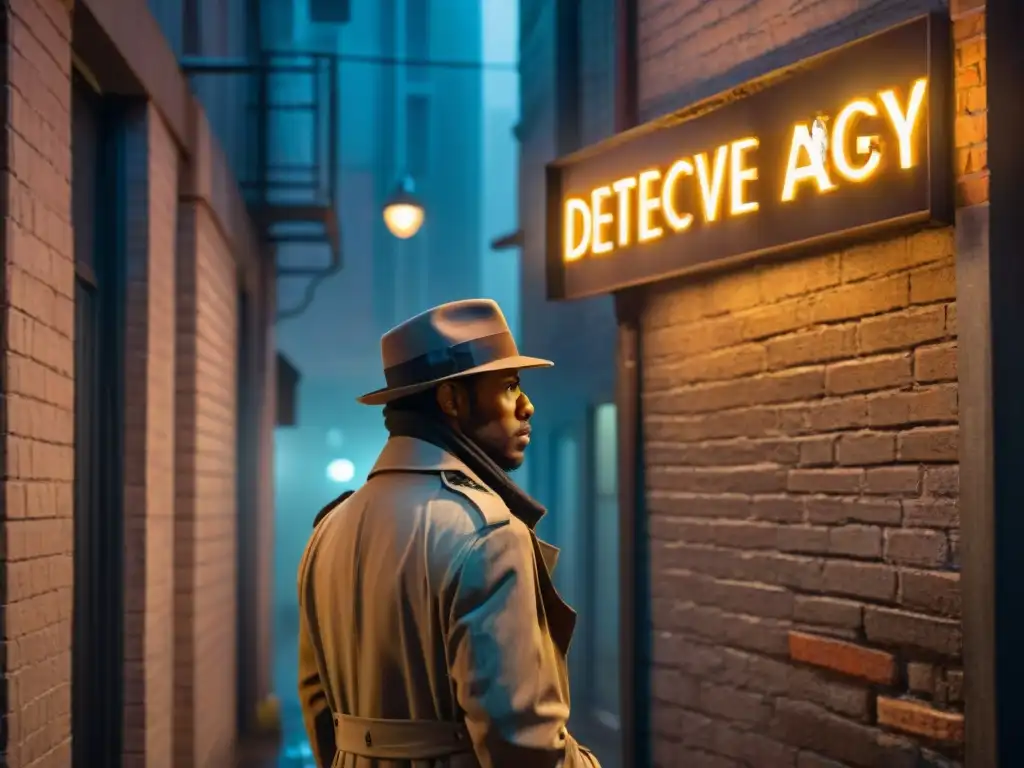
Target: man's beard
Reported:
point(472, 426)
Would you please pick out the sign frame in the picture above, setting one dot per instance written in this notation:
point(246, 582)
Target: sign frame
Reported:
point(924, 195)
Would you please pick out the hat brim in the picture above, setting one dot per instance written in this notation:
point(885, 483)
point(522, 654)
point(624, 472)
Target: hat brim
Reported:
point(386, 395)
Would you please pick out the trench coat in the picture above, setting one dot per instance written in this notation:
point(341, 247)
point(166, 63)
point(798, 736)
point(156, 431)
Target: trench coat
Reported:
point(430, 631)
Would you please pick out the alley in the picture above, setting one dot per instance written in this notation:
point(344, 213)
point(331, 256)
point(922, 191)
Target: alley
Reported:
point(770, 246)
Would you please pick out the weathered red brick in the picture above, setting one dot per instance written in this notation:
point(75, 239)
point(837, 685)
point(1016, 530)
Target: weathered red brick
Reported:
point(894, 481)
point(828, 611)
point(825, 480)
point(865, 448)
point(891, 627)
point(927, 548)
point(929, 444)
point(817, 451)
point(871, 581)
point(942, 481)
point(816, 346)
point(931, 513)
point(865, 375)
point(934, 364)
point(935, 592)
point(901, 330)
point(860, 299)
point(920, 719)
point(847, 658)
point(835, 510)
point(927, 406)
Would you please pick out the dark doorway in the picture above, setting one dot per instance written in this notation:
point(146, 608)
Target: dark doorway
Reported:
point(247, 519)
point(97, 644)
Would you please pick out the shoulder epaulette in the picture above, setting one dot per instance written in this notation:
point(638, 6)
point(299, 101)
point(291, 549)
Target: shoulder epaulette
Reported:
point(489, 504)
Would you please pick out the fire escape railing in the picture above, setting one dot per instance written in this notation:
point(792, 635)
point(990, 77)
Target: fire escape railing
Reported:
point(285, 152)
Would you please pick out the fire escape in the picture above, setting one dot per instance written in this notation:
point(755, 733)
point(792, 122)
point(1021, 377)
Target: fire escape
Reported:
point(284, 153)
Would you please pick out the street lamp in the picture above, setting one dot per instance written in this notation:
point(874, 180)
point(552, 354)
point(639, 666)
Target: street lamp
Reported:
point(403, 212)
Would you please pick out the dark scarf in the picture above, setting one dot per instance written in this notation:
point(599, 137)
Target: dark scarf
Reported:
point(433, 429)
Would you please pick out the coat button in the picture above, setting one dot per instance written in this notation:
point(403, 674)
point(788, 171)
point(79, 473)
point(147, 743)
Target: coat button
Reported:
point(368, 740)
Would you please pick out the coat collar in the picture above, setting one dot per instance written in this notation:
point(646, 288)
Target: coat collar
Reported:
point(408, 454)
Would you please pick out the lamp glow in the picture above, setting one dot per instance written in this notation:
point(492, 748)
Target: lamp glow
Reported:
point(403, 212)
point(341, 471)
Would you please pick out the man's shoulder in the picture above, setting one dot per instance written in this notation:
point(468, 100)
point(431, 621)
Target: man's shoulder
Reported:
point(450, 498)
point(477, 498)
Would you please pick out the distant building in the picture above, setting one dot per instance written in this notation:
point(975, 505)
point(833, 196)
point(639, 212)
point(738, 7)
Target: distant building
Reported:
point(567, 81)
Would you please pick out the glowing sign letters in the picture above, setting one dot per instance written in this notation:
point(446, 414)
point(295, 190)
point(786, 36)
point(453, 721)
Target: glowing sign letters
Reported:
point(604, 220)
point(845, 144)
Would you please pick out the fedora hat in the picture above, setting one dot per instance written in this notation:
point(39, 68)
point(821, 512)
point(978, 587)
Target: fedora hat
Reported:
point(452, 340)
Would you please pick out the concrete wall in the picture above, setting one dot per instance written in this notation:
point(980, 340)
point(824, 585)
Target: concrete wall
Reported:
point(801, 447)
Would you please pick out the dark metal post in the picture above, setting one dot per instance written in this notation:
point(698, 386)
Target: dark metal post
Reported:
point(262, 118)
point(990, 314)
point(320, 132)
point(633, 634)
point(626, 101)
point(333, 128)
point(634, 622)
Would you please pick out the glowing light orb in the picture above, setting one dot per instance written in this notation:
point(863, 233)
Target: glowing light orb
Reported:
point(341, 470)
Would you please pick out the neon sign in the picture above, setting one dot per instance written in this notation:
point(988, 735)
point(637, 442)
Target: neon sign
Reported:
point(669, 197)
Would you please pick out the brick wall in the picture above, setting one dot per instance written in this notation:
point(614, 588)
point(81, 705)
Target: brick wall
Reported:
point(205, 524)
point(152, 197)
point(691, 49)
point(37, 432)
point(971, 126)
point(801, 443)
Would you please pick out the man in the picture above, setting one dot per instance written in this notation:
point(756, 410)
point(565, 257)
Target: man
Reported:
point(330, 506)
point(430, 632)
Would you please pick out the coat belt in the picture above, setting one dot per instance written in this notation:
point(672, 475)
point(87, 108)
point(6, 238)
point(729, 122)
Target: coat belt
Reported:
point(399, 739)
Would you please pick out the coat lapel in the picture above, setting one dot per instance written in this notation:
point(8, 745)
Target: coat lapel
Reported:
point(560, 615)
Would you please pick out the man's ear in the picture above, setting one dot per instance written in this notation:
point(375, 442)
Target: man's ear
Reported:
point(448, 399)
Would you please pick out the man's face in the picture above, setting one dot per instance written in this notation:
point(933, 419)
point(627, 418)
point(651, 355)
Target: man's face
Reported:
point(494, 412)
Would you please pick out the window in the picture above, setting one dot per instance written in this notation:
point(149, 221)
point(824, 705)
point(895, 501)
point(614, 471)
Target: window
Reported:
point(596, 72)
point(604, 579)
point(567, 515)
point(417, 135)
point(417, 36)
point(567, 77)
